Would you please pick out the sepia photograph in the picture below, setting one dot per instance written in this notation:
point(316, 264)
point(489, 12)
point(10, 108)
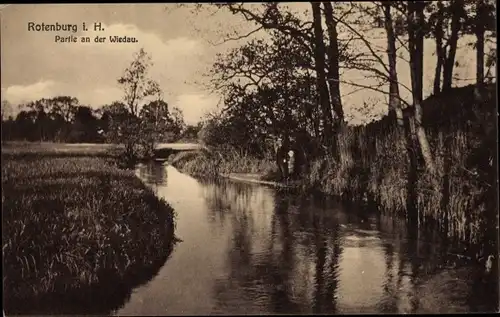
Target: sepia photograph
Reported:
point(237, 158)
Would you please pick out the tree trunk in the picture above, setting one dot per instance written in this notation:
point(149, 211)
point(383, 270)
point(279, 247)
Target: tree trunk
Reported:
point(479, 46)
point(437, 72)
point(457, 7)
point(320, 63)
point(333, 62)
point(480, 58)
point(416, 42)
point(438, 33)
point(394, 101)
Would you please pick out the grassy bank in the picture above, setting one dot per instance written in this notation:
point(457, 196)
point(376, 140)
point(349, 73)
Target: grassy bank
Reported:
point(205, 163)
point(60, 149)
point(77, 231)
point(373, 165)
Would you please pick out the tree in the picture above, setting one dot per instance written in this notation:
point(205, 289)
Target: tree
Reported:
point(333, 61)
point(25, 126)
point(155, 123)
point(190, 134)
point(135, 83)
point(57, 119)
point(308, 35)
point(7, 121)
point(437, 21)
point(123, 129)
point(457, 13)
point(411, 16)
point(479, 30)
point(62, 110)
point(319, 56)
point(54, 117)
point(369, 60)
point(125, 123)
point(416, 32)
point(178, 125)
point(85, 126)
point(270, 88)
point(65, 106)
point(40, 109)
point(480, 17)
point(394, 98)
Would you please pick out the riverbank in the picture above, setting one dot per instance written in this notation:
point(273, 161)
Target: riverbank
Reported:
point(206, 163)
point(373, 165)
point(79, 233)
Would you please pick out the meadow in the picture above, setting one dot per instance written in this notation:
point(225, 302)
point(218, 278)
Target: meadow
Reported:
point(372, 164)
point(76, 228)
point(35, 150)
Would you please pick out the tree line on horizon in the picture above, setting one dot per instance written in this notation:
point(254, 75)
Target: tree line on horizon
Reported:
point(139, 122)
point(64, 119)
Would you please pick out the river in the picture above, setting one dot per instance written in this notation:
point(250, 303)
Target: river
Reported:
point(251, 249)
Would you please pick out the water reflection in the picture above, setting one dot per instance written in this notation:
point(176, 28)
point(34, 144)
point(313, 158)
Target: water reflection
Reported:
point(153, 174)
point(250, 249)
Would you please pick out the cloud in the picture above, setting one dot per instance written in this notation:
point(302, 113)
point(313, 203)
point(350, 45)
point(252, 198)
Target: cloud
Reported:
point(172, 56)
point(175, 61)
point(195, 106)
point(89, 71)
point(169, 49)
point(19, 94)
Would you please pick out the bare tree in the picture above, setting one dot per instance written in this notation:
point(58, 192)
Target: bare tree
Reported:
point(371, 62)
point(437, 18)
point(394, 98)
point(480, 17)
point(416, 21)
point(319, 54)
point(457, 11)
point(333, 61)
point(480, 28)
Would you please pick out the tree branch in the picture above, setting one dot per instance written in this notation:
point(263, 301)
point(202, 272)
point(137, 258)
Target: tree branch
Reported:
point(373, 89)
point(240, 37)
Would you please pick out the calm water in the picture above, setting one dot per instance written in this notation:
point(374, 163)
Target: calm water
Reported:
point(249, 249)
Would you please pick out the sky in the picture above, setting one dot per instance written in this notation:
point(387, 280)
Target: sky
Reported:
point(181, 44)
